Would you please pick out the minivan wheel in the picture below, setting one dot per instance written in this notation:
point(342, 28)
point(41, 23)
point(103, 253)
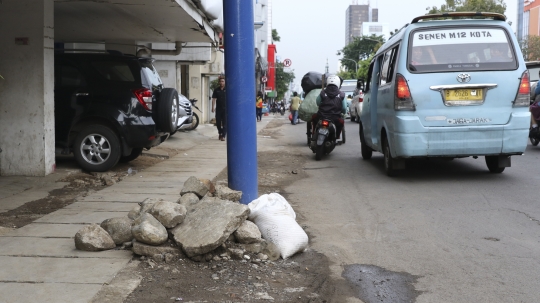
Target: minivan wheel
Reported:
point(97, 148)
point(367, 152)
point(388, 164)
point(135, 153)
point(167, 110)
point(492, 163)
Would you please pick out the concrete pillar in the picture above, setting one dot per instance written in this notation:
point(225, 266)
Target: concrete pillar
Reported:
point(27, 91)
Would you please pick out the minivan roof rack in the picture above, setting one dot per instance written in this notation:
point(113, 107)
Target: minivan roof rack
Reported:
point(456, 15)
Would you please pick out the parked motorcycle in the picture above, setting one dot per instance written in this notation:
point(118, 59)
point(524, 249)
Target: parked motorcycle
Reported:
point(195, 118)
point(323, 139)
point(187, 118)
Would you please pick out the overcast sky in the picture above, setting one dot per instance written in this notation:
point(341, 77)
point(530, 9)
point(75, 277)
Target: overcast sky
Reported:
point(313, 31)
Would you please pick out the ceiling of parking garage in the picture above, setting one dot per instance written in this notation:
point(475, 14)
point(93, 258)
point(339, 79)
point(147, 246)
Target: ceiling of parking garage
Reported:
point(130, 20)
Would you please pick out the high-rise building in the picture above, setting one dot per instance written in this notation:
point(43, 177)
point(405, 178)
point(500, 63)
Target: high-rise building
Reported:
point(355, 16)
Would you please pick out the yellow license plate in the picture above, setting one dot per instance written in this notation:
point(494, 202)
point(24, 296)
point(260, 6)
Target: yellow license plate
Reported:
point(463, 94)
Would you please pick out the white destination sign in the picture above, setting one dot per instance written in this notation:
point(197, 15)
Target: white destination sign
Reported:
point(459, 36)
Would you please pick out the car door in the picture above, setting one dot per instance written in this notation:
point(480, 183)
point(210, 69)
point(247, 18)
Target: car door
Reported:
point(366, 105)
point(70, 89)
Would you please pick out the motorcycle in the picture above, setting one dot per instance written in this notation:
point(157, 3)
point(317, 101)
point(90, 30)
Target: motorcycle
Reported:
point(323, 139)
point(187, 118)
point(534, 136)
point(282, 109)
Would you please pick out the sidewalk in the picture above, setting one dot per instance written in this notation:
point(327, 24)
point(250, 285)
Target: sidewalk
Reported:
point(39, 261)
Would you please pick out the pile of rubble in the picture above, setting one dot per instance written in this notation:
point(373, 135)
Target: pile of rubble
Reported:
point(206, 223)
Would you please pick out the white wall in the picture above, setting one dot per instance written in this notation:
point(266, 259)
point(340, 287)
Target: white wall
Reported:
point(27, 93)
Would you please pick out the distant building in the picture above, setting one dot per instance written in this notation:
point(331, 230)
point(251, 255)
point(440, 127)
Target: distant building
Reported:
point(355, 16)
point(376, 28)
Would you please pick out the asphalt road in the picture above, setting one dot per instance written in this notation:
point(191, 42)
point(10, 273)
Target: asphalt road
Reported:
point(455, 231)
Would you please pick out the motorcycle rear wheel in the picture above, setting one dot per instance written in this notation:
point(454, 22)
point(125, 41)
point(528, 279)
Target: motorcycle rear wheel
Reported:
point(319, 152)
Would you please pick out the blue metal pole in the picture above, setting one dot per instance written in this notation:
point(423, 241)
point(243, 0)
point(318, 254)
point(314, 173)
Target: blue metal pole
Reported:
point(240, 91)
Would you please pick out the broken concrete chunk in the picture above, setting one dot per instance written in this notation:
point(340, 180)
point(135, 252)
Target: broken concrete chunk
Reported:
point(208, 226)
point(134, 212)
point(194, 185)
point(142, 249)
point(225, 193)
point(168, 213)
point(248, 233)
point(119, 228)
point(188, 199)
point(209, 185)
point(149, 230)
point(93, 238)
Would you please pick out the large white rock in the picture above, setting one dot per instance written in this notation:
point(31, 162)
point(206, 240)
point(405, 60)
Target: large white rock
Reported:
point(208, 225)
point(248, 233)
point(168, 213)
point(93, 238)
point(119, 228)
point(149, 230)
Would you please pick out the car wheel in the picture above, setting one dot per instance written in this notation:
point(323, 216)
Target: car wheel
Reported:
point(194, 122)
point(367, 152)
point(135, 153)
point(97, 148)
point(492, 163)
point(167, 110)
point(388, 164)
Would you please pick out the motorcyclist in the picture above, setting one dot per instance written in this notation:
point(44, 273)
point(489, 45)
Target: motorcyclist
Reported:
point(332, 104)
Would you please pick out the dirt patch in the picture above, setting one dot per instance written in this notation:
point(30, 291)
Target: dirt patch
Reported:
point(80, 185)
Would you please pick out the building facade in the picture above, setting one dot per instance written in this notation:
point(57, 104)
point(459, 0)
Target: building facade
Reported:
point(355, 16)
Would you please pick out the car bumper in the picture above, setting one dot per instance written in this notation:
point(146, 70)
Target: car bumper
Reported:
point(142, 132)
point(415, 140)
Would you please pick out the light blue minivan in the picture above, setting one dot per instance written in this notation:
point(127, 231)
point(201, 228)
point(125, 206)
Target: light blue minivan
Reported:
point(448, 85)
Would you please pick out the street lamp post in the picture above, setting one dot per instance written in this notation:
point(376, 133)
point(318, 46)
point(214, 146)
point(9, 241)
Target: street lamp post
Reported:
point(355, 64)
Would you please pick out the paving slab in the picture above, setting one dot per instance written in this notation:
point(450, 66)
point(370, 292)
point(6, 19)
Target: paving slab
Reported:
point(102, 206)
point(74, 216)
point(141, 190)
point(54, 247)
point(59, 270)
point(47, 292)
point(131, 198)
point(46, 230)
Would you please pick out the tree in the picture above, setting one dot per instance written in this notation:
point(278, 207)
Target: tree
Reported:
point(530, 48)
point(492, 6)
point(283, 79)
point(275, 36)
point(361, 48)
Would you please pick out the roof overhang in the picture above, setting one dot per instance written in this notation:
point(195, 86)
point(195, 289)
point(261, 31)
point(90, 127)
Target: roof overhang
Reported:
point(111, 21)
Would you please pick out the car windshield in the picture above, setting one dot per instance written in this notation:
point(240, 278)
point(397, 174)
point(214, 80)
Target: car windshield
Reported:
point(463, 49)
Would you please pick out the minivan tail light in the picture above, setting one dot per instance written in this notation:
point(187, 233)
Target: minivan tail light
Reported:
point(403, 99)
point(144, 95)
point(523, 95)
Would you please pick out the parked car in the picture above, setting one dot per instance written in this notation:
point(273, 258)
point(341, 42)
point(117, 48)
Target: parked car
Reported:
point(452, 88)
point(356, 106)
point(109, 107)
point(534, 68)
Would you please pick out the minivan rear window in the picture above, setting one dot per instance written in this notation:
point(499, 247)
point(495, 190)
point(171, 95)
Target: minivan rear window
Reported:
point(463, 49)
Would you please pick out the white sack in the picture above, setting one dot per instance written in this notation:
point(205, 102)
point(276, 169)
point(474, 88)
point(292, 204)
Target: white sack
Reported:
point(275, 218)
point(212, 8)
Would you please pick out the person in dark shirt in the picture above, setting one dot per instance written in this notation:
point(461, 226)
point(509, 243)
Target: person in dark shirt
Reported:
point(219, 106)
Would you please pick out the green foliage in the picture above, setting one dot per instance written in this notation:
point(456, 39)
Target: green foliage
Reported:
point(361, 48)
point(283, 79)
point(363, 67)
point(214, 84)
point(275, 36)
point(493, 6)
point(346, 74)
point(530, 48)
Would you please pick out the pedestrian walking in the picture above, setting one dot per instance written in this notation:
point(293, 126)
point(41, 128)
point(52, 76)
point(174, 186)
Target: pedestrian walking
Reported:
point(295, 104)
point(259, 106)
point(219, 106)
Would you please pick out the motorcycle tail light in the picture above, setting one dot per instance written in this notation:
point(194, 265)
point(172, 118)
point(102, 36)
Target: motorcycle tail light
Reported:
point(523, 95)
point(144, 95)
point(325, 123)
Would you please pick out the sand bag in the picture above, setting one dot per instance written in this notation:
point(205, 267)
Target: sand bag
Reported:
point(277, 222)
point(309, 107)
